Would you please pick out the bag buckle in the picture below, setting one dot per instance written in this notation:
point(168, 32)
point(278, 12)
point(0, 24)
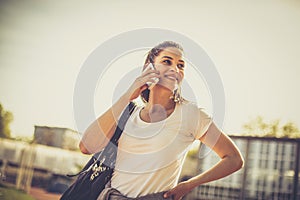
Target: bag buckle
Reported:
point(98, 169)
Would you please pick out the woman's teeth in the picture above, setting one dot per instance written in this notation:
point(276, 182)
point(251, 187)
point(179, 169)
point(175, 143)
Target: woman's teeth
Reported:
point(171, 77)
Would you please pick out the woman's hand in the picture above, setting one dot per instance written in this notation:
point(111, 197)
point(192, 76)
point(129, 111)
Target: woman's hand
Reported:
point(179, 191)
point(139, 84)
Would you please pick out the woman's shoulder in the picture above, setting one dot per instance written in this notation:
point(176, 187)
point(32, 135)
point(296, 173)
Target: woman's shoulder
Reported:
point(189, 105)
point(192, 108)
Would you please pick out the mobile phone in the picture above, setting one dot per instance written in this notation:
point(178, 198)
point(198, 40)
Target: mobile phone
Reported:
point(151, 84)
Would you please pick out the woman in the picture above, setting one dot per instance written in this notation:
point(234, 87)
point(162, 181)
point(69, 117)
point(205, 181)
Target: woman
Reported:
point(157, 135)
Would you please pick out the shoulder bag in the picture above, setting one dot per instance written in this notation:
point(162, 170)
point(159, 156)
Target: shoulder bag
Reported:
point(97, 172)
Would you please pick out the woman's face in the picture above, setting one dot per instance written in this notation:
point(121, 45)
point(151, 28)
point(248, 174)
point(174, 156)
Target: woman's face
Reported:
point(171, 66)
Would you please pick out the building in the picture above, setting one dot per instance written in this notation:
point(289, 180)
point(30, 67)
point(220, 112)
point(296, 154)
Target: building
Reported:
point(64, 138)
point(271, 170)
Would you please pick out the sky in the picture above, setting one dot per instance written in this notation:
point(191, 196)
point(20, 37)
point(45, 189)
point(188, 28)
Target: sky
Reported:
point(254, 45)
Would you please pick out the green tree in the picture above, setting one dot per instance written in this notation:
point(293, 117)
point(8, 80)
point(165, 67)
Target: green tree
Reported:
point(6, 118)
point(290, 130)
point(258, 127)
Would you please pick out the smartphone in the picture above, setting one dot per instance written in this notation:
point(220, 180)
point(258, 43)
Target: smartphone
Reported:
point(151, 84)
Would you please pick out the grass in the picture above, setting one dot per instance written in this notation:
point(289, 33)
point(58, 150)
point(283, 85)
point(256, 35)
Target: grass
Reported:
point(10, 193)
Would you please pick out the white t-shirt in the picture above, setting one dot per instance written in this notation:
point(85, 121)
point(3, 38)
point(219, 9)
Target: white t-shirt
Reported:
point(150, 155)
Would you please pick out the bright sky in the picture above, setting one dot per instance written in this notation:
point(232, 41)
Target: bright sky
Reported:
point(255, 46)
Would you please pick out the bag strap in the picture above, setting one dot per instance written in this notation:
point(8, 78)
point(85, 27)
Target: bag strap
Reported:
point(113, 143)
point(122, 122)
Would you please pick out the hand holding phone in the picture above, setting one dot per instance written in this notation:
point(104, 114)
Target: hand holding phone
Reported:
point(151, 84)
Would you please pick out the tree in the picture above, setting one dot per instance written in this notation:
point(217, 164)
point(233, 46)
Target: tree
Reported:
point(6, 118)
point(258, 127)
point(290, 129)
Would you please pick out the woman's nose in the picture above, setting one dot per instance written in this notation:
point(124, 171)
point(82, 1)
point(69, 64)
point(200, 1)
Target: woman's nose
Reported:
point(174, 68)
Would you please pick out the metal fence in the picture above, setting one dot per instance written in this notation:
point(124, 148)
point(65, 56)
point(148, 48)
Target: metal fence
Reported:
point(271, 171)
point(27, 165)
point(271, 168)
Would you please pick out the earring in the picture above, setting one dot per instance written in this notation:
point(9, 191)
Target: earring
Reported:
point(177, 95)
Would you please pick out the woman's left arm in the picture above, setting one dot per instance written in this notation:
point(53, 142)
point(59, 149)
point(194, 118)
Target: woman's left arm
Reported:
point(231, 161)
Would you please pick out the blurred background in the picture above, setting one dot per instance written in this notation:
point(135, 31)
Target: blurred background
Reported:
point(254, 45)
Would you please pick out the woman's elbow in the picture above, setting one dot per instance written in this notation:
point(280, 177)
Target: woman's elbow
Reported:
point(239, 162)
point(83, 149)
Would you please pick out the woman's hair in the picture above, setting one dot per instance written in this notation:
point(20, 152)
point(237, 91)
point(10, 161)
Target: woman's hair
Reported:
point(152, 54)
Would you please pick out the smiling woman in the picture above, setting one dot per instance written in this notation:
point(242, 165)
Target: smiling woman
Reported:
point(164, 56)
point(158, 134)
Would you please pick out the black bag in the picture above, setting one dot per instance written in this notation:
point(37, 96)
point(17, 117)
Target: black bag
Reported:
point(98, 171)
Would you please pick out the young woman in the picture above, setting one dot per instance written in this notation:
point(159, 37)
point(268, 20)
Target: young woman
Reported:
point(157, 135)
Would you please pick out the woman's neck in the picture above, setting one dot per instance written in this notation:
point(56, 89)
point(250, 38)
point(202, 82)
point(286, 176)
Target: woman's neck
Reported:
point(160, 98)
point(159, 106)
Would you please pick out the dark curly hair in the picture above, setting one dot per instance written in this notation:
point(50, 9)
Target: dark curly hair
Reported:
point(152, 54)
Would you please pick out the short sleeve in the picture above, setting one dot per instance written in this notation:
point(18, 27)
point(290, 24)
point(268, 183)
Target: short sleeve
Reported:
point(204, 120)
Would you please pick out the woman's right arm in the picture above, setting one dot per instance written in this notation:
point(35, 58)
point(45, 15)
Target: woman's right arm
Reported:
point(101, 130)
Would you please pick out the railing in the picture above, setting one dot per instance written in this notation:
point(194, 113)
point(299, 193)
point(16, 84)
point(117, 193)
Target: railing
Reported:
point(271, 171)
point(271, 168)
point(26, 164)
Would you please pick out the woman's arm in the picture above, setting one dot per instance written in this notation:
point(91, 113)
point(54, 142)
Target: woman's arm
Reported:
point(231, 158)
point(102, 129)
point(231, 161)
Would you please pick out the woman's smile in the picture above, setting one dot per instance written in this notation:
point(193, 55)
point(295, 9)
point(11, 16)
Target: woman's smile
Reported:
point(171, 76)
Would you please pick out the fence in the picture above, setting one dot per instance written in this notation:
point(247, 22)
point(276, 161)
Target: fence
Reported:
point(271, 168)
point(26, 164)
point(271, 171)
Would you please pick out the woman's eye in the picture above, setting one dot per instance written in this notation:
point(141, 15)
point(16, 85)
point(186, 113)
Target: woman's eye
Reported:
point(181, 66)
point(167, 62)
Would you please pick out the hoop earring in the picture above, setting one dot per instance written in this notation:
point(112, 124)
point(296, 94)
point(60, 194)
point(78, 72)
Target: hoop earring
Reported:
point(177, 95)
